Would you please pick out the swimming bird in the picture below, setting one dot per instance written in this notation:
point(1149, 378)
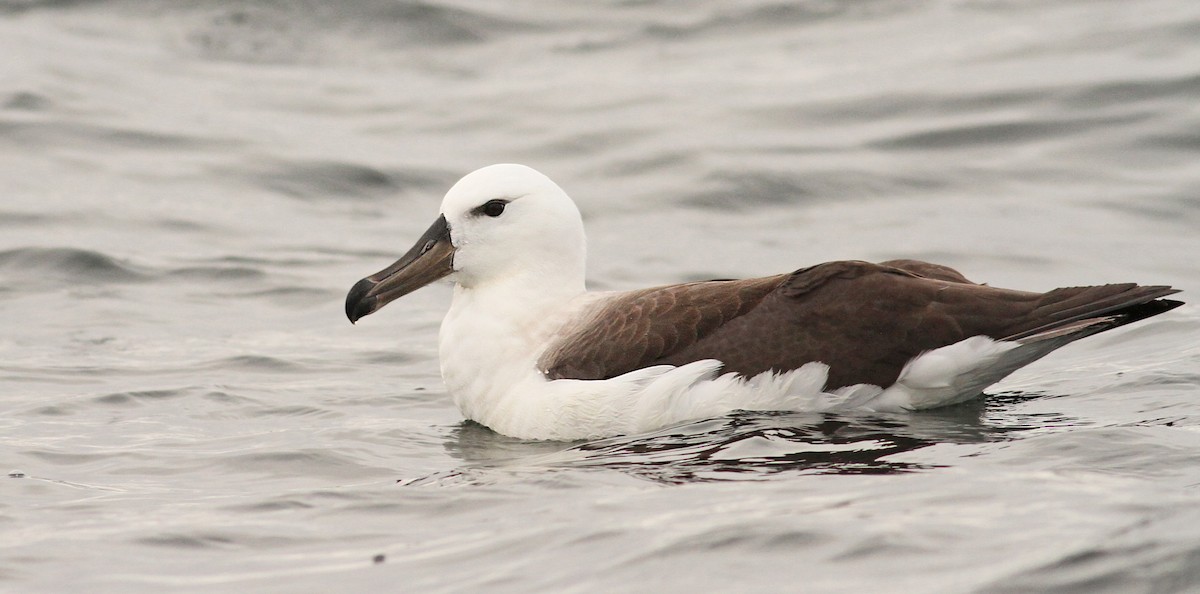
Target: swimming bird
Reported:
point(526, 350)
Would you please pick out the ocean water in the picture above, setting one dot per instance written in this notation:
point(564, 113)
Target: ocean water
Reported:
point(188, 190)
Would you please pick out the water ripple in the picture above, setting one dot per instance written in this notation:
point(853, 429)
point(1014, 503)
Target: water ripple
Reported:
point(748, 446)
point(44, 135)
point(329, 180)
point(999, 133)
point(77, 265)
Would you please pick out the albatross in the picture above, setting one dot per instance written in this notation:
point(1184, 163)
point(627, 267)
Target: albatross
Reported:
point(526, 350)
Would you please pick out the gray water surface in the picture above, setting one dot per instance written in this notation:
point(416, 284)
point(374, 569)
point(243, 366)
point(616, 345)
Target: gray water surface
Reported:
point(188, 190)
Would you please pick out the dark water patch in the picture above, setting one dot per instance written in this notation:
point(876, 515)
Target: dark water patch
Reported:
point(389, 357)
point(254, 34)
point(183, 225)
point(1000, 133)
point(874, 548)
point(750, 537)
point(301, 462)
point(330, 180)
point(1179, 143)
point(749, 190)
point(76, 135)
point(67, 458)
point(741, 191)
point(188, 541)
point(47, 220)
point(757, 20)
point(227, 398)
point(1127, 92)
point(257, 363)
point(203, 539)
point(55, 410)
point(421, 179)
point(68, 264)
point(590, 142)
point(227, 406)
point(313, 256)
point(20, 6)
point(27, 101)
point(1117, 567)
point(92, 340)
point(274, 505)
point(290, 296)
point(257, 261)
point(216, 273)
point(294, 411)
point(421, 23)
point(901, 107)
point(1181, 206)
point(139, 397)
point(644, 165)
point(304, 31)
point(57, 374)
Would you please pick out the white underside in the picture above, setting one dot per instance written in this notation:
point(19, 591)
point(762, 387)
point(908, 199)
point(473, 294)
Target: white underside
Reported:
point(489, 367)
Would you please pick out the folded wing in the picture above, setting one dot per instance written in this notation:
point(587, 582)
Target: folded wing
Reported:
point(864, 320)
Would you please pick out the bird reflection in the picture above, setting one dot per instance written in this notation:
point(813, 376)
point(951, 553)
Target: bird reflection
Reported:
point(747, 445)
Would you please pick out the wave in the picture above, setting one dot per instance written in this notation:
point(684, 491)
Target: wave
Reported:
point(79, 265)
point(325, 180)
point(313, 31)
point(997, 133)
point(40, 268)
point(40, 135)
point(745, 190)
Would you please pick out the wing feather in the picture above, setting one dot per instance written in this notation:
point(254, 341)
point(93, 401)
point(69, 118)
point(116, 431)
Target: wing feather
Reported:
point(864, 320)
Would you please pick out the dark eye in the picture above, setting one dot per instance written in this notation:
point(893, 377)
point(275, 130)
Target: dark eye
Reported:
point(493, 208)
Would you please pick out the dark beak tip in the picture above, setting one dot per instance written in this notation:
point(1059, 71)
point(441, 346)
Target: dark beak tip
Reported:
point(358, 304)
point(431, 258)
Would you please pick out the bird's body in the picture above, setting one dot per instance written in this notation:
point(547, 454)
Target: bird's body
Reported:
point(527, 351)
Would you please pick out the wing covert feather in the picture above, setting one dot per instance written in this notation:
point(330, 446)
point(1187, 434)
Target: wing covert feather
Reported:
point(634, 329)
point(864, 320)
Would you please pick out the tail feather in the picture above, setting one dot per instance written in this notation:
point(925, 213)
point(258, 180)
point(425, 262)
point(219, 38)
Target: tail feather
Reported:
point(1103, 316)
point(961, 371)
point(1126, 303)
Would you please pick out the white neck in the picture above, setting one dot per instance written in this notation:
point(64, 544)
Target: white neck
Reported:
point(494, 333)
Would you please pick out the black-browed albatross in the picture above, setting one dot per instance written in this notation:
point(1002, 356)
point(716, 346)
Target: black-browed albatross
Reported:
point(526, 350)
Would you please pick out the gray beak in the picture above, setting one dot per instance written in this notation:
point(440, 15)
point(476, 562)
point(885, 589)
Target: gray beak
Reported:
point(430, 259)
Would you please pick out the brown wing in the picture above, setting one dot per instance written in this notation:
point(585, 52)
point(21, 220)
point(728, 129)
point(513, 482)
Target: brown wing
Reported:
point(864, 320)
point(640, 327)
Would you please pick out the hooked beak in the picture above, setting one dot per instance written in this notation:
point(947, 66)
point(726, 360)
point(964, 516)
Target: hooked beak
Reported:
point(430, 259)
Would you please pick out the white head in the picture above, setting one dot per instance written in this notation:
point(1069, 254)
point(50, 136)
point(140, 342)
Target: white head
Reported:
point(499, 224)
point(509, 221)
